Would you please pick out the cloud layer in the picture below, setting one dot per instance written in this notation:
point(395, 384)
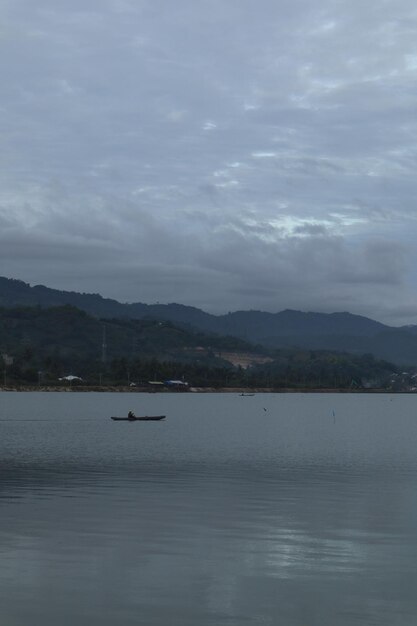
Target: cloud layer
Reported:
point(226, 155)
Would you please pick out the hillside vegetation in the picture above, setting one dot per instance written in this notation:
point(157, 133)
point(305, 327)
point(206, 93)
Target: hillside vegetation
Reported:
point(44, 344)
point(286, 329)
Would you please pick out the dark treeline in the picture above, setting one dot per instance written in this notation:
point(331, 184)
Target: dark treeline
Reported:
point(39, 346)
point(311, 370)
point(289, 369)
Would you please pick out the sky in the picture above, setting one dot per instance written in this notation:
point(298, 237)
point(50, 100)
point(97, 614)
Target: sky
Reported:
point(225, 154)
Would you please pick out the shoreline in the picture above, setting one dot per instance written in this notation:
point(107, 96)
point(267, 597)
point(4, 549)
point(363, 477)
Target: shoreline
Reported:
point(236, 390)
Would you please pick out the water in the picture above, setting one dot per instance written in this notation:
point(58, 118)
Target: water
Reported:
point(292, 509)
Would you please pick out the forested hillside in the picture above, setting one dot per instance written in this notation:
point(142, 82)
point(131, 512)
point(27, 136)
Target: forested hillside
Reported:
point(43, 345)
point(286, 329)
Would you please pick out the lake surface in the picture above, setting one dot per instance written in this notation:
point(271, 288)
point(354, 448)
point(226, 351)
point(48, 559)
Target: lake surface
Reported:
point(277, 509)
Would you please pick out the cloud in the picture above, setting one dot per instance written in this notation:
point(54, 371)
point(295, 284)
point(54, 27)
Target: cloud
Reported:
point(255, 159)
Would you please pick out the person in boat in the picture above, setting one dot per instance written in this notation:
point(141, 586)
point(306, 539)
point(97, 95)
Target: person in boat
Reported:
point(131, 415)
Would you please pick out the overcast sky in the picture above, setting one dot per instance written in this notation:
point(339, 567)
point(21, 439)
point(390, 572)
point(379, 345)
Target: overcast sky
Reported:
point(227, 154)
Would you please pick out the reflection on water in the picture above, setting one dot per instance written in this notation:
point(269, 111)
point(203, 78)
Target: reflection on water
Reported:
point(226, 513)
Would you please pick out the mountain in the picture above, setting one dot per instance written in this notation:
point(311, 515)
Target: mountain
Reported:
point(65, 338)
point(286, 329)
point(253, 325)
point(43, 344)
point(16, 293)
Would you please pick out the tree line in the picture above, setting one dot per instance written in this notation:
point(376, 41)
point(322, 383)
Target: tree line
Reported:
point(39, 346)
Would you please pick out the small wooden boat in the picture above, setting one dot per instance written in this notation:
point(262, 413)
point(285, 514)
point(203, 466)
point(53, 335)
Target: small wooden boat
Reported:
point(140, 418)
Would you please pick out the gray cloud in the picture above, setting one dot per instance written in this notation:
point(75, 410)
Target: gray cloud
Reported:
point(225, 155)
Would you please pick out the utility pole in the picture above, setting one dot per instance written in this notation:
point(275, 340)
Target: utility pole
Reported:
point(104, 346)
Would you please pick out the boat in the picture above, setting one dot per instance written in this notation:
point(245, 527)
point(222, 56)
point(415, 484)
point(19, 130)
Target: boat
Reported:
point(139, 418)
point(247, 394)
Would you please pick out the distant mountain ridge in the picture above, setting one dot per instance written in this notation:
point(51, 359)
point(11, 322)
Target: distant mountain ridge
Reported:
point(333, 331)
point(253, 323)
